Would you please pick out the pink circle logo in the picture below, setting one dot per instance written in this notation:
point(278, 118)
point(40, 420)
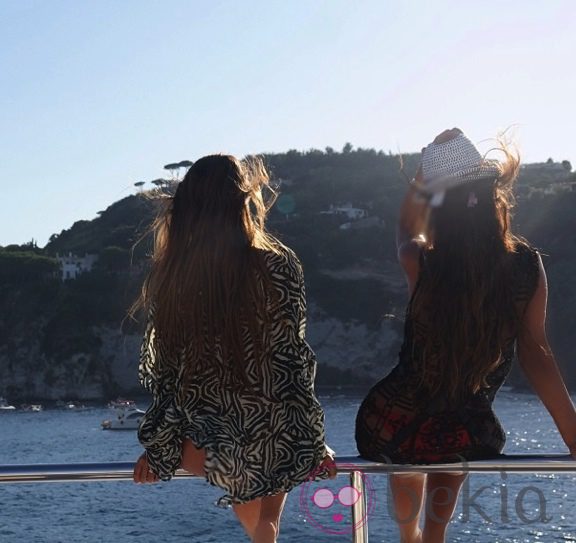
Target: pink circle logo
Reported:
point(327, 510)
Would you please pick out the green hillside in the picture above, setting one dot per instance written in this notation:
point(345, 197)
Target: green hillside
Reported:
point(350, 264)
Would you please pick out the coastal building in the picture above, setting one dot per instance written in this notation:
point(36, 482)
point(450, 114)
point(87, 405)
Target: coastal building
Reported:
point(346, 210)
point(72, 265)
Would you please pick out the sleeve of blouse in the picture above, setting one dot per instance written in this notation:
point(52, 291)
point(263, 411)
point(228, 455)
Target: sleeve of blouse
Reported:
point(160, 429)
point(298, 305)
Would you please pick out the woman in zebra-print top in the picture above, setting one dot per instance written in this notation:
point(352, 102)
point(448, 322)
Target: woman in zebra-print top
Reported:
point(224, 354)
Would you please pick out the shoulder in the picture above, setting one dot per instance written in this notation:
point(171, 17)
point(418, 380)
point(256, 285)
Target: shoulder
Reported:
point(284, 269)
point(526, 256)
point(282, 260)
point(527, 267)
point(524, 249)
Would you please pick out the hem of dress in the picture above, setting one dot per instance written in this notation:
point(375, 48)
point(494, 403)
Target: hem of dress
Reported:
point(432, 458)
point(227, 500)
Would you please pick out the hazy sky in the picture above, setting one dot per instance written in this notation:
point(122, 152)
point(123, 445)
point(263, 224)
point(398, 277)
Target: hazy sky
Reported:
point(98, 94)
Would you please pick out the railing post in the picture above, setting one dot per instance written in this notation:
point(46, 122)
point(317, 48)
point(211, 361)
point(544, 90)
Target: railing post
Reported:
point(359, 517)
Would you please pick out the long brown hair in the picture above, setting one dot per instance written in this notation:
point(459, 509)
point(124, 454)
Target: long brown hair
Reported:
point(465, 291)
point(208, 283)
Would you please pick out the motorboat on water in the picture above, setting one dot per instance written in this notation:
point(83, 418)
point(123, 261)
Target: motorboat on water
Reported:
point(70, 405)
point(121, 403)
point(125, 418)
point(32, 408)
point(5, 406)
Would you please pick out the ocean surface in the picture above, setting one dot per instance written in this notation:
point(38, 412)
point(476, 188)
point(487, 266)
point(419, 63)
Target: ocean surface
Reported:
point(520, 508)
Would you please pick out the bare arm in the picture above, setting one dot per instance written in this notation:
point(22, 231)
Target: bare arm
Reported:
point(538, 363)
point(413, 215)
point(408, 233)
point(414, 208)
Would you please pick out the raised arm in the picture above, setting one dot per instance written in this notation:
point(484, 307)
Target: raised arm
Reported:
point(409, 232)
point(538, 363)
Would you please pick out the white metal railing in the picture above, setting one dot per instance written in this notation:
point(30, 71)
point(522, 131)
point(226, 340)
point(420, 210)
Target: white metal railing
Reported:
point(354, 466)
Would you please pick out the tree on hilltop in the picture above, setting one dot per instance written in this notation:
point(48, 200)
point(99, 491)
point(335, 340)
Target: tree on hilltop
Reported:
point(175, 167)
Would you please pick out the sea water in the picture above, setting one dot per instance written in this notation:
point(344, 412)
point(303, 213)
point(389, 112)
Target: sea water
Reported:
point(493, 507)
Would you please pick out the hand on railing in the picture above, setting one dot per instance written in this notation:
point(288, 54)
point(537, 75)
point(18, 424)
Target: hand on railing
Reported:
point(328, 464)
point(142, 472)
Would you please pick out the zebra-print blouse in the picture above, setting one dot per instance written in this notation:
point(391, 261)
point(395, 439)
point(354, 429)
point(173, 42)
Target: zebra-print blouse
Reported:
point(263, 440)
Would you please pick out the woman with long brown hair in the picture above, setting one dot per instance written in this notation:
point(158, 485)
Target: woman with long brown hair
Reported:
point(224, 354)
point(477, 294)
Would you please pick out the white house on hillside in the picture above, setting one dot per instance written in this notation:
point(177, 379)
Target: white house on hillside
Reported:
point(348, 210)
point(73, 265)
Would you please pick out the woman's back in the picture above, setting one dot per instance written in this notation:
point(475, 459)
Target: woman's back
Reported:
point(520, 281)
point(405, 420)
point(285, 324)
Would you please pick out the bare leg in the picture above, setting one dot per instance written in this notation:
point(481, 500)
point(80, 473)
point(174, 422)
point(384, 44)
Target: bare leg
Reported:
point(249, 514)
point(193, 458)
point(260, 518)
point(268, 526)
point(408, 492)
point(442, 491)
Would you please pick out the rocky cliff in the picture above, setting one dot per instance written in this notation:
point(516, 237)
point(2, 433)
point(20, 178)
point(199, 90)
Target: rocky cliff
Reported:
point(70, 339)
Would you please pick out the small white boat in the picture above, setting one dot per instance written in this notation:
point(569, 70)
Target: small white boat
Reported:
point(4, 406)
point(70, 405)
point(32, 408)
point(121, 403)
point(126, 418)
